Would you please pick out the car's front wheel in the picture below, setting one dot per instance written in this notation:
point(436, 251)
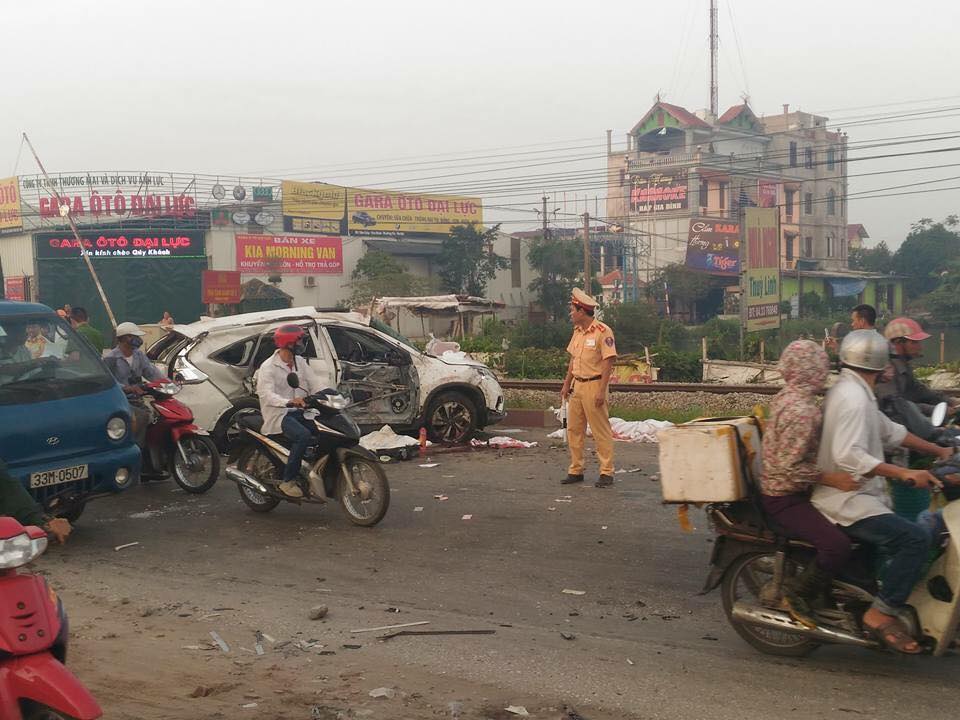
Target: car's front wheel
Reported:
point(451, 418)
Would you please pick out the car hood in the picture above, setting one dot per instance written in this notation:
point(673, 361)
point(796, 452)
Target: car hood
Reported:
point(458, 358)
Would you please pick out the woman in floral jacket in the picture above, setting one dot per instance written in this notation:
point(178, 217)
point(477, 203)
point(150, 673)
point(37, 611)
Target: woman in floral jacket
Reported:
point(790, 472)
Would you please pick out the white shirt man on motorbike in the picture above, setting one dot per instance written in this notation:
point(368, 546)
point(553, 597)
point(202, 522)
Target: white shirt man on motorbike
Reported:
point(282, 405)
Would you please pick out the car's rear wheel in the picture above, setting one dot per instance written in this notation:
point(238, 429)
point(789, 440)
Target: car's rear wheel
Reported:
point(227, 431)
point(451, 418)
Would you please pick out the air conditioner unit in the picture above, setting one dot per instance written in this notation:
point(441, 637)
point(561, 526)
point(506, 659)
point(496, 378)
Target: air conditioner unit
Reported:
point(309, 281)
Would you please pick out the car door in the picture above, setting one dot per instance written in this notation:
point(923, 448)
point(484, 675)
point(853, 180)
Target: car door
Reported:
point(317, 355)
point(377, 375)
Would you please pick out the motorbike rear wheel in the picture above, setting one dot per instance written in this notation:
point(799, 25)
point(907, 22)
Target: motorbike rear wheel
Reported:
point(743, 581)
point(258, 464)
point(204, 456)
point(370, 504)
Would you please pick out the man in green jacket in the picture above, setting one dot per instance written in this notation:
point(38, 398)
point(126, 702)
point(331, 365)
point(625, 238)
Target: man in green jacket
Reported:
point(81, 323)
point(16, 502)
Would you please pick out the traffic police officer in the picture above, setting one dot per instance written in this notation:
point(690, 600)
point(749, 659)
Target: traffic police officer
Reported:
point(592, 351)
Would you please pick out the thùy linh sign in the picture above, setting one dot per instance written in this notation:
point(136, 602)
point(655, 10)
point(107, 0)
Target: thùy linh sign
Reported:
point(761, 283)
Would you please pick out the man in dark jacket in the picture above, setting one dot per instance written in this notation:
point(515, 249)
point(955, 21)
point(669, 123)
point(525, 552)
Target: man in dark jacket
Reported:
point(16, 502)
point(905, 336)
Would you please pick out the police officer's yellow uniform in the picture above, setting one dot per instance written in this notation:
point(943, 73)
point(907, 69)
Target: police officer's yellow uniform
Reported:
point(588, 350)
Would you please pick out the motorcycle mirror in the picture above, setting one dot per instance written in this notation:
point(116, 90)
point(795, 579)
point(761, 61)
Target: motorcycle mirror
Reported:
point(939, 414)
point(293, 380)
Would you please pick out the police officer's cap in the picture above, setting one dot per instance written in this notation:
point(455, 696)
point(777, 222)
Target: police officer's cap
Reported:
point(579, 297)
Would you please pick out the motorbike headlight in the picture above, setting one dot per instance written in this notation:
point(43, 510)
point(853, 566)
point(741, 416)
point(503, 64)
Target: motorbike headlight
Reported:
point(116, 428)
point(20, 549)
point(169, 388)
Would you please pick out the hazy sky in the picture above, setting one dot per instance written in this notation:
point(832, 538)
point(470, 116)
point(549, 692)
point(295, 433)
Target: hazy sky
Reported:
point(345, 91)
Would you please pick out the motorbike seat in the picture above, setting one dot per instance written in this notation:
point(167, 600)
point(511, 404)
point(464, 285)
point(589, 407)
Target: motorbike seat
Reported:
point(252, 421)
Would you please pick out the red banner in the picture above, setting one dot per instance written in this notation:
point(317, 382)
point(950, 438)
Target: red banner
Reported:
point(14, 288)
point(221, 287)
point(290, 254)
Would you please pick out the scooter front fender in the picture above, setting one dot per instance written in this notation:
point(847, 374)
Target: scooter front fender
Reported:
point(179, 431)
point(42, 679)
point(938, 603)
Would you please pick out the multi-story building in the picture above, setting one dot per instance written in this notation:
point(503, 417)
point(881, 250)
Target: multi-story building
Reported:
point(684, 177)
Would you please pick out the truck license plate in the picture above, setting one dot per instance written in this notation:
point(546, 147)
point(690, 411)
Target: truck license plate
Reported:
point(60, 475)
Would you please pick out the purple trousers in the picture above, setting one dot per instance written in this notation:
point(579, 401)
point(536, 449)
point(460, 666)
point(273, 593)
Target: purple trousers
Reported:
point(801, 520)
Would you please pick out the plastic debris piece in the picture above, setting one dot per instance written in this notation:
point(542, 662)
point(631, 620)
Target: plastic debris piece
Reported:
point(121, 547)
point(518, 710)
point(603, 527)
point(249, 706)
point(683, 517)
point(562, 500)
point(219, 641)
point(348, 646)
point(630, 662)
point(567, 591)
point(418, 508)
point(430, 465)
point(390, 627)
point(467, 517)
point(551, 509)
point(383, 692)
point(568, 636)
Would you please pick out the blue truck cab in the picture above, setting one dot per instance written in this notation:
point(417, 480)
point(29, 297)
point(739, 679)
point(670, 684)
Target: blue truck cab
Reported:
point(65, 424)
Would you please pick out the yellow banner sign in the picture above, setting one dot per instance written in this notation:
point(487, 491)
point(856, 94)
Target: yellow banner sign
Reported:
point(382, 212)
point(762, 277)
point(313, 207)
point(10, 217)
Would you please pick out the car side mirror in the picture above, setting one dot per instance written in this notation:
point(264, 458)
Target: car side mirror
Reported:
point(395, 358)
point(293, 380)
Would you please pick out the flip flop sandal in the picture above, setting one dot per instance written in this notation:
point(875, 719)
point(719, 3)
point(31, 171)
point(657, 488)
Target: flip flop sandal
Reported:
point(893, 635)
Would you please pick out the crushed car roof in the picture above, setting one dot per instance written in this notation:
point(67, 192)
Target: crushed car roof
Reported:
point(207, 325)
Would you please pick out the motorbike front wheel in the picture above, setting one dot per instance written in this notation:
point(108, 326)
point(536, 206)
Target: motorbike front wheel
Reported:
point(258, 464)
point(742, 582)
point(202, 468)
point(41, 712)
point(369, 504)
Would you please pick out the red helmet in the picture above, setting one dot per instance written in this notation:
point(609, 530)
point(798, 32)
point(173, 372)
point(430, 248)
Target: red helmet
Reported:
point(290, 337)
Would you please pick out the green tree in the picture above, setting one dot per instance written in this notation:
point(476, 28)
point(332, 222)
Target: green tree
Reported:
point(467, 261)
point(558, 264)
point(380, 274)
point(686, 288)
point(634, 324)
point(878, 259)
point(929, 249)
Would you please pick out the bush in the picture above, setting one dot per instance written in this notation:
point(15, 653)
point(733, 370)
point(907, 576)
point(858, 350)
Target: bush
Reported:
point(634, 325)
point(677, 366)
point(536, 363)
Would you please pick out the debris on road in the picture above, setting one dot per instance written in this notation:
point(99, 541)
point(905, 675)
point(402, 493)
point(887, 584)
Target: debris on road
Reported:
point(318, 612)
point(551, 508)
point(348, 646)
point(502, 442)
point(441, 498)
point(572, 714)
point(518, 710)
point(258, 644)
point(562, 500)
point(249, 706)
point(622, 471)
point(391, 627)
point(568, 636)
point(401, 633)
point(219, 641)
point(127, 545)
point(567, 591)
point(467, 517)
point(383, 692)
point(429, 465)
point(630, 662)
point(418, 508)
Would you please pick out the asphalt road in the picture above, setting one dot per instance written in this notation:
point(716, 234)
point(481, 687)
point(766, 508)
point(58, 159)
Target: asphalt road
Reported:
point(644, 643)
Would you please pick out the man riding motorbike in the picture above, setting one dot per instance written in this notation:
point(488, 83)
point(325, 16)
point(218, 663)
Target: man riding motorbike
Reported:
point(281, 405)
point(129, 365)
point(902, 397)
point(855, 434)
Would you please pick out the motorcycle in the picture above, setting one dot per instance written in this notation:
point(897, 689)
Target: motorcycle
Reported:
point(335, 465)
point(34, 682)
point(175, 443)
point(751, 559)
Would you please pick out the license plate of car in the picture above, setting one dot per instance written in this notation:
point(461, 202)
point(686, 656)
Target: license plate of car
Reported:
point(60, 475)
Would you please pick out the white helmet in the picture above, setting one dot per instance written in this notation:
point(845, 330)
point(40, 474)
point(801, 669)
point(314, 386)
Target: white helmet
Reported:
point(866, 350)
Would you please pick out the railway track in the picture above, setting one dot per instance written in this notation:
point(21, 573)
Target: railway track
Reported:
point(656, 387)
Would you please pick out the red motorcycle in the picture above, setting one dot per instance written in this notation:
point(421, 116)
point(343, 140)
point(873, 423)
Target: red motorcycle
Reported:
point(34, 683)
point(175, 443)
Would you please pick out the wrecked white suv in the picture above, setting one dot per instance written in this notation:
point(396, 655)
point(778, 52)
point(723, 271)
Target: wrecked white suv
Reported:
point(386, 379)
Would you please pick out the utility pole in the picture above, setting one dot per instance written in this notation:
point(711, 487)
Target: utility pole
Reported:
point(714, 108)
point(545, 231)
point(64, 208)
point(586, 254)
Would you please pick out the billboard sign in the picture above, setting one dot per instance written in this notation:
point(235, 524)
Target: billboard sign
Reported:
point(652, 192)
point(290, 254)
point(382, 212)
point(713, 246)
point(114, 243)
point(220, 287)
point(15, 288)
point(761, 281)
point(10, 217)
point(313, 207)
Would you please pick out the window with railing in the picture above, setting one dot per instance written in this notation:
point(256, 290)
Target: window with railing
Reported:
point(789, 203)
point(793, 154)
point(831, 157)
point(808, 247)
point(831, 202)
point(808, 158)
point(704, 192)
point(723, 195)
point(808, 204)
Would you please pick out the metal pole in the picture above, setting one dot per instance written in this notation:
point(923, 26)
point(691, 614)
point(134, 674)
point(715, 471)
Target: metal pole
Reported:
point(714, 106)
point(65, 211)
point(586, 254)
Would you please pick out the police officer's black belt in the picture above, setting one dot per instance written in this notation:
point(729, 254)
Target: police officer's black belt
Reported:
point(589, 379)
